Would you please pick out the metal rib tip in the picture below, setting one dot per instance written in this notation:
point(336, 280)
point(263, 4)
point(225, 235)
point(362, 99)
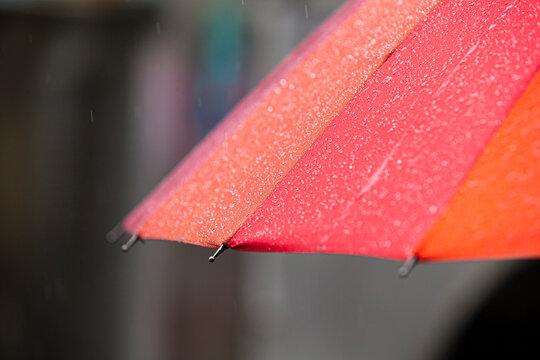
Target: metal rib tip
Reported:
point(220, 250)
point(132, 240)
point(115, 234)
point(408, 266)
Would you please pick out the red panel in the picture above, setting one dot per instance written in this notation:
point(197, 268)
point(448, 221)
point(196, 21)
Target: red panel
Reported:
point(496, 211)
point(210, 206)
point(377, 179)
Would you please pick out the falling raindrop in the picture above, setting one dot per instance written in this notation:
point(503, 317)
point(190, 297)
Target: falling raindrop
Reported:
point(158, 28)
point(92, 116)
point(306, 10)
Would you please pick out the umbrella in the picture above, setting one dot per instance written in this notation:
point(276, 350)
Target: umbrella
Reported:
point(399, 129)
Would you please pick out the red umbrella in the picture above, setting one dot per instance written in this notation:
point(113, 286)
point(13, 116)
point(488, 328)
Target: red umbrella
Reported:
point(399, 129)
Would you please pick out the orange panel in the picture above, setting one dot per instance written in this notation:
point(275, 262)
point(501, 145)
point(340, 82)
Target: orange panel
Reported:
point(226, 189)
point(496, 211)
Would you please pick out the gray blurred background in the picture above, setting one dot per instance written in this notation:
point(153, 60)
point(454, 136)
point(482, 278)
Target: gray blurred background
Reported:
point(98, 101)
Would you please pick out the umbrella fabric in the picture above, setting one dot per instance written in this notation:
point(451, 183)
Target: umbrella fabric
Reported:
point(211, 194)
point(496, 210)
point(397, 129)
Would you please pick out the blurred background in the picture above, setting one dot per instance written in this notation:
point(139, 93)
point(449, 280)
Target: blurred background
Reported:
point(98, 101)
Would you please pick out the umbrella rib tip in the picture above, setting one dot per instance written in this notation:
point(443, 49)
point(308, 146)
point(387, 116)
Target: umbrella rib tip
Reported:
point(132, 240)
point(115, 234)
point(408, 266)
point(220, 250)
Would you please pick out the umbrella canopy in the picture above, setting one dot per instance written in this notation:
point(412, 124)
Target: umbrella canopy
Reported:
point(399, 129)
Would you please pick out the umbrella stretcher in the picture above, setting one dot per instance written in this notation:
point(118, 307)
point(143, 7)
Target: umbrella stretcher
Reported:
point(398, 129)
